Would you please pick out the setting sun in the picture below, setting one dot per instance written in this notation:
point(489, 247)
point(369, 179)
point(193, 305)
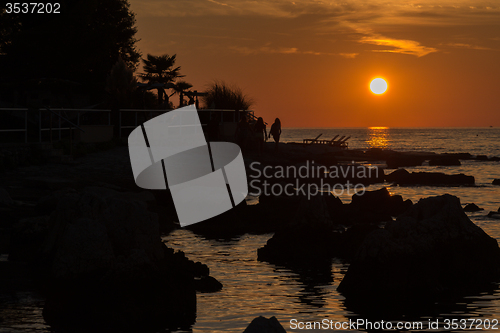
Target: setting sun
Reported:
point(378, 86)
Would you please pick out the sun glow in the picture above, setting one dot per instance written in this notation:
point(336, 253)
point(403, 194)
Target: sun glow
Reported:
point(378, 86)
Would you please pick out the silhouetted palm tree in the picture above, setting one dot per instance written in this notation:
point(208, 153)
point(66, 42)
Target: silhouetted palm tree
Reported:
point(160, 69)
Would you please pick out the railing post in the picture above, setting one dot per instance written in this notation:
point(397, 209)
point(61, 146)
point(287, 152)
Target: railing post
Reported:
point(39, 125)
point(120, 124)
point(26, 126)
point(59, 125)
point(70, 140)
point(50, 132)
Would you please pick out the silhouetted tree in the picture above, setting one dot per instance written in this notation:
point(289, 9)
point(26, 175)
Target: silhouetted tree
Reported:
point(180, 88)
point(121, 84)
point(81, 43)
point(160, 69)
point(220, 95)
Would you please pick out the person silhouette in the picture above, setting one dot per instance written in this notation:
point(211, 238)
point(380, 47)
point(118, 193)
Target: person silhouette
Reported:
point(260, 134)
point(275, 131)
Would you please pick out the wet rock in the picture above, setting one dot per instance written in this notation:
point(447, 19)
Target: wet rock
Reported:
point(27, 237)
point(105, 266)
point(431, 250)
point(264, 325)
point(352, 239)
point(308, 239)
point(397, 175)
point(318, 233)
point(48, 203)
point(496, 182)
point(207, 284)
point(404, 160)
point(380, 202)
point(51, 183)
point(429, 178)
point(444, 161)
point(472, 207)
point(5, 199)
point(495, 215)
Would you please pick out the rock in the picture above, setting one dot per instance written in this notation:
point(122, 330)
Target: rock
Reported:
point(404, 160)
point(482, 158)
point(496, 182)
point(47, 204)
point(495, 215)
point(307, 239)
point(27, 237)
point(207, 284)
point(430, 178)
point(264, 325)
point(5, 199)
point(51, 183)
point(495, 159)
point(106, 267)
point(380, 202)
point(472, 207)
point(444, 161)
point(397, 175)
point(431, 250)
point(317, 233)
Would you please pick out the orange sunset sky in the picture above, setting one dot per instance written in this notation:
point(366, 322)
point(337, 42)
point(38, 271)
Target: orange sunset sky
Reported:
point(310, 62)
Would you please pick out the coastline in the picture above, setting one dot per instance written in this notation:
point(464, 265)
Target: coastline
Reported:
point(111, 170)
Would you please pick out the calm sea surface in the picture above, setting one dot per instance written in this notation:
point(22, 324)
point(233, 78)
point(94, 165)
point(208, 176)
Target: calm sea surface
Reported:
point(253, 288)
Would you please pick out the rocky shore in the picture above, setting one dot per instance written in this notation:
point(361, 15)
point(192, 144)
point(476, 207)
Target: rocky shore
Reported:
point(90, 239)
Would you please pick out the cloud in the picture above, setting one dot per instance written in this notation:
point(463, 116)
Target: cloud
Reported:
point(467, 46)
point(403, 46)
point(267, 49)
point(349, 55)
point(264, 49)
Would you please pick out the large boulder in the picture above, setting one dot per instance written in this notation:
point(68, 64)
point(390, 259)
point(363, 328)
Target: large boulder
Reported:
point(444, 160)
point(27, 237)
point(317, 233)
point(429, 178)
point(399, 160)
point(495, 215)
point(430, 250)
point(264, 325)
point(105, 267)
point(309, 237)
point(472, 207)
point(379, 203)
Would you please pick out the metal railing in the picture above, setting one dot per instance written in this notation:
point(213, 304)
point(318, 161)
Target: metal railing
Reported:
point(67, 123)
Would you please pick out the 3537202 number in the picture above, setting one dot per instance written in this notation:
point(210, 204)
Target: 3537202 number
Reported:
point(33, 8)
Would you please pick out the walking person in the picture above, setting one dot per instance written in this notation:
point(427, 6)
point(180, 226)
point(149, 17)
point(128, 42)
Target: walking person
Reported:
point(260, 134)
point(276, 132)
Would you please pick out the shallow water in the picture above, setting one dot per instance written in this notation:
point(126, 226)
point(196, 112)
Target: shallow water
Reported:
point(253, 288)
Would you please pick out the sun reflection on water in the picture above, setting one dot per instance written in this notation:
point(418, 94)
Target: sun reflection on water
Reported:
point(378, 137)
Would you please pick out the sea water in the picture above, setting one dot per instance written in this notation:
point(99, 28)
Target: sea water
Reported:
point(253, 288)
